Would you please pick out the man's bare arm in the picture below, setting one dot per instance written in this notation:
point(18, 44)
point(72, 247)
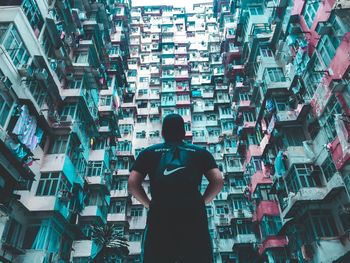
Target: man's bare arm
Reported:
point(136, 189)
point(216, 182)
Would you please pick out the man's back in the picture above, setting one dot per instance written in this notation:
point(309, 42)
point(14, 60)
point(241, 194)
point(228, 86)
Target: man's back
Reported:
point(177, 221)
point(177, 226)
point(175, 170)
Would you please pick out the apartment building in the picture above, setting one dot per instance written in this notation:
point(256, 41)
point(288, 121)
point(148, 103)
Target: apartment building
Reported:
point(288, 67)
point(263, 85)
point(62, 70)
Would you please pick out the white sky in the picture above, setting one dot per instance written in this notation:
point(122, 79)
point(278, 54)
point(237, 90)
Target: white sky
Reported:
point(178, 3)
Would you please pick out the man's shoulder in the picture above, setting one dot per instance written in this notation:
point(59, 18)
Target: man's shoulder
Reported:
point(154, 147)
point(194, 148)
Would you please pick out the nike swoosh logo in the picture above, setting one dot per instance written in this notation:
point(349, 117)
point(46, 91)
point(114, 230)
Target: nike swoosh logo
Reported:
point(166, 172)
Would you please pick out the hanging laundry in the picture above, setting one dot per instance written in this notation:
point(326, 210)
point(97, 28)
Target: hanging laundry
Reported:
point(279, 165)
point(22, 120)
point(270, 105)
point(29, 132)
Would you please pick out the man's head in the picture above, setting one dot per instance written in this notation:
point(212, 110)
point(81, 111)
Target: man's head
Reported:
point(173, 129)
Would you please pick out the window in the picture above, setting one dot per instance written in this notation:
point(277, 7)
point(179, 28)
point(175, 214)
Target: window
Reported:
point(12, 233)
point(13, 44)
point(310, 11)
point(135, 236)
point(125, 128)
point(226, 111)
point(51, 183)
point(82, 57)
point(256, 10)
point(266, 52)
point(327, 49)
point(121, 184)
point(239, 203)
point(141, 135)
point(264, 192)
point(244, 96)
point(312, 80)
point(136, 211)
point(327, 119)
point(293, 137)
point(105, 100)
point(320, 223)
point(69, 110)
point(244, 228)
point(281, 104)
point(225, 232)
point(95, 168)
point(248, 116)
point(184, 111)
point(227, 125)
point(117, 207)
point(59, 145)
point(38, 92)
point(270, 225)
point(197, 117)
point(124, 146)
point(328, 168)
point(32, 12)
point(301, 175)
point(5, 107)
point(274, 75)
point(209, 210)
point(221, 209)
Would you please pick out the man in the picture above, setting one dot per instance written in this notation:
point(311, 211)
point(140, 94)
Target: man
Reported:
point(177, 226)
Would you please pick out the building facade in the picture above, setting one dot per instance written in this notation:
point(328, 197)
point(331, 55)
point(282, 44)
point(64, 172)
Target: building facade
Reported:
point(263, 85)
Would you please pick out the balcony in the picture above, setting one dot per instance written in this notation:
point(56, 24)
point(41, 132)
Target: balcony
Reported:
point(100, 180)
point(137, 222)
point(312, 195)
point(199, 139)
point(181, 75)
point(266, 208)
point(296, 154)
point(243, 239)
point(114, 217)
point(135, 247)
point(234, 70)
point(93, 211)
point(233, 52)
point(340, 146)
point(253, 151)
point(37, 256)
point(123, 192)
point(258, 178)
point(84, 249)
point(273, 242)
point(293, 116)
point(225, 245)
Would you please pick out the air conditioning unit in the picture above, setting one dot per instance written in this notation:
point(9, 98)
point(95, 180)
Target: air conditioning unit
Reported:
point(125, 159)
point(239, 222)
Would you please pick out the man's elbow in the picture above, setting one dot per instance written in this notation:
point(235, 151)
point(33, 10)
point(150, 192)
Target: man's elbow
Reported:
point(220, 182)
point(132, 184)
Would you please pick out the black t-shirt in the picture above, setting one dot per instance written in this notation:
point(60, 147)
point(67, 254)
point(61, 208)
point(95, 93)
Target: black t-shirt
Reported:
point(148, 160)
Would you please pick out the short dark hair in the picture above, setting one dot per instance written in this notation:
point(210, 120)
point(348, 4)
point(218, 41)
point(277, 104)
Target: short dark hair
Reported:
point(173, 128)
